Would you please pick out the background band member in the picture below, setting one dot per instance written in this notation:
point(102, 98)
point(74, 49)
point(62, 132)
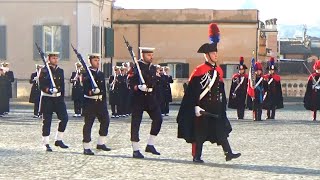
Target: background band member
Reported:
point(144, 99)
point(3, 91)
point(77, 89)
point(35, 91)
point(95, 106)
point(238, 90)
point(52, 100)
point(273, 94)
point(312, 96)
point(10, 79)
point(205, 93)
point(166, 90)
point(114, 92)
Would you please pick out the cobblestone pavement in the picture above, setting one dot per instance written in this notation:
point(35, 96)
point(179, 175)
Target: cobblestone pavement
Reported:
point(285, 148)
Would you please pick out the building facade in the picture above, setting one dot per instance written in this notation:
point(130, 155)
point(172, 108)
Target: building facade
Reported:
point(54, 25)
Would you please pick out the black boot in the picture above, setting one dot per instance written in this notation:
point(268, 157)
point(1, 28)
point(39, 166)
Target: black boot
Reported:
point(152, 149)
point(137, 154)
point(87, 152)
point(48, 148)
point(103, 147)
point(197, 157)
point(60, 144)
point(228, 152)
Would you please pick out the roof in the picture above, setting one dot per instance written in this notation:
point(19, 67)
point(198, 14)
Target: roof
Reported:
point(293, 47)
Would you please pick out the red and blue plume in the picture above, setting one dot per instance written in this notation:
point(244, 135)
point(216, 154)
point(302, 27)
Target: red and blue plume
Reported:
point(214, 33)
point(271, 61)
point(241, 60)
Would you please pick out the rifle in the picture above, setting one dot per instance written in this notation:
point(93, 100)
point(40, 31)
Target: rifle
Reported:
point(134, 60)
point(95, 88)
point(53, 88)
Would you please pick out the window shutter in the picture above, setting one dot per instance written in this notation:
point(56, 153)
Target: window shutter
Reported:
point(37, 38)
point(185, 70)
point(3, 42)
point(65, 43)
point(109, 42)
point(179, 70)
point(107, 69)
point(95, 39)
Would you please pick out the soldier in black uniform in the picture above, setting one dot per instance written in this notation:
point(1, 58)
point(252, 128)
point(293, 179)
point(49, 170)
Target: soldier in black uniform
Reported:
point(77, 89)
point(159, 87)
point(114, 92)
point(10, 80)
point(95, 106)
point(35, 91)
point(122, 82)
point(144, 99)
point(238, 90)
point(52, 100)
point(167, 90)
point(3, 91)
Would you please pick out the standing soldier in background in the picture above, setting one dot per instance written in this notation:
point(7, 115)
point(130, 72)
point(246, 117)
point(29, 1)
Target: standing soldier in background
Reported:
point(53, 101)
point(255, 103)
point(4, 95)
point(312, 96)
point(167, 90)
point(273, 94)
point(35, 91)
point(77, 89)
point(159, 87)
point(10, 79)
point(95, 106)
point(144, 99)
point(114, 93)
point(123, 88)
point(238, 90)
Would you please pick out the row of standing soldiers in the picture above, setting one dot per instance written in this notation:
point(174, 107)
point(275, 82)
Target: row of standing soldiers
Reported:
point(120, 93)
point(6, 80)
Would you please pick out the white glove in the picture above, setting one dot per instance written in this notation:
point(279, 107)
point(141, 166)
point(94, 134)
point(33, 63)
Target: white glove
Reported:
point(96, 91)
point(53, 90)
point(143, 87)
point(197, 110)
point(35, 79)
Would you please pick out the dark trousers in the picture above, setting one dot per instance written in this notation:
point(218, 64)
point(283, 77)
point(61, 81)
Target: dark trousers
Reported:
point(77, 106)
point(7, 107)
point(257, 114)
point(136, 118)
point(199, 145)
point(36, 108)
point(115, 109)
point(92, 110)
point(240, 112)
point(271, 113)
point(47, 119)
point(165, 108)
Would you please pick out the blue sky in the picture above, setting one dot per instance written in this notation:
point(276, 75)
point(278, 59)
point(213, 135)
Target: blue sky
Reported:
point(300, 12)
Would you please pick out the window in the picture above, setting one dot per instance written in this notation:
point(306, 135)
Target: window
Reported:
point(3, 43)
point(177, 70)
point(52, 38)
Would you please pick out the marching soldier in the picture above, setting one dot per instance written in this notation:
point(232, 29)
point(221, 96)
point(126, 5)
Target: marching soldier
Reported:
point(205, 94)
point(238, 90)
point(95, 106)
point(167, 90)
point(114, 93)
point(255, 103)
point(312, 96)
point(144, 99)
point(273, 94)
point(10, 79)
point(3, 91)
point(35, 91)
point(77, 89)
point(52, 100)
